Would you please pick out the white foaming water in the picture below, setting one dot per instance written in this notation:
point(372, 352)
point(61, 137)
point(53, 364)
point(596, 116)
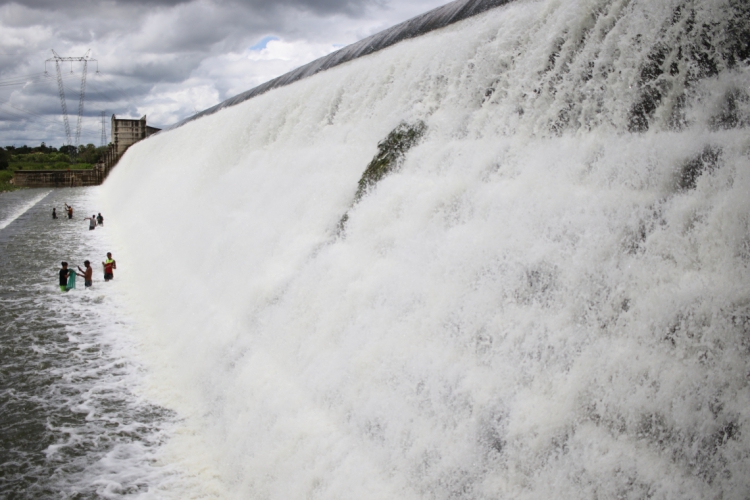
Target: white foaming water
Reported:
point(549, 299)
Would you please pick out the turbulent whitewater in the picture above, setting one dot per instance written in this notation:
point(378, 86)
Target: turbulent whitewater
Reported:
point(548, 297)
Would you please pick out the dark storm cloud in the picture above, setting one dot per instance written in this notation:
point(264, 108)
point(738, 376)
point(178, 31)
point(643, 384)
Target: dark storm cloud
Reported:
point(198, 28)
point(56, 4)
point(172, 71)
point(349, 7)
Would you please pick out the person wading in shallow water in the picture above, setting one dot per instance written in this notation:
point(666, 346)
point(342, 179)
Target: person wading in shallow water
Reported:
point(100, 219)
point(64, 272)
point(92, 222)
point(54, 213)
point(69, 210)
point(109, 266)
point(65, 276)
point(87, 274)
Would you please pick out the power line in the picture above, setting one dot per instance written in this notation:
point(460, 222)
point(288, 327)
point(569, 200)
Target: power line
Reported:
point(47, 79)
point(17, 111)
point(22, 80)
point(35, 115)
point(13, 112)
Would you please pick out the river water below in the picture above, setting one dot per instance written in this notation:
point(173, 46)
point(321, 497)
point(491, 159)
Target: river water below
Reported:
point(73, 420)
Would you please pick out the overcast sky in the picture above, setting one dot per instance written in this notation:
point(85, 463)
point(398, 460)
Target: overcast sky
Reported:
point(166, 59)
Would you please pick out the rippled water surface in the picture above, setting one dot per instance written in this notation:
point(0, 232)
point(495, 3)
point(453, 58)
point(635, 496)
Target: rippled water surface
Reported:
point(72, 423)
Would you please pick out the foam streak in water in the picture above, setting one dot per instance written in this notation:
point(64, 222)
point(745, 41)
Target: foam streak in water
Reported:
point(18, 211)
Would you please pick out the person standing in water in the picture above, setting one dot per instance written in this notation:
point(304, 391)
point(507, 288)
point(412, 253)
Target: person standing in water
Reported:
point(54, 213)
point(87, 274)
point(66, 284)
point(69, 210)
point(109, 266)
point(92, 222)
point(100, 219)
point(64, 273)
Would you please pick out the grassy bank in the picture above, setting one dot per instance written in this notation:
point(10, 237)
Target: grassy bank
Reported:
point(5, 177)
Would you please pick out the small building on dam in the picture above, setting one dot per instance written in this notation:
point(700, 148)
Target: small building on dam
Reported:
point(126, 132)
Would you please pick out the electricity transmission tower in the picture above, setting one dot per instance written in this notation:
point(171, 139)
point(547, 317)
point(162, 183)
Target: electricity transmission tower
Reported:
point(85, 60)
point(104, 131)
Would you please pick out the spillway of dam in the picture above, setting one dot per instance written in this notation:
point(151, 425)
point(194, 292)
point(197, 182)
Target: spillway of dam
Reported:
point(546, 296)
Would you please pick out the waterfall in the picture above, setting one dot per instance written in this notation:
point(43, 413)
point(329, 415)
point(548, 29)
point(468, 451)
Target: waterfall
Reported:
point(545, 295)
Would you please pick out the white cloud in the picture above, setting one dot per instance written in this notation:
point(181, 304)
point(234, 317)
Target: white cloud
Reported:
point(299, 52)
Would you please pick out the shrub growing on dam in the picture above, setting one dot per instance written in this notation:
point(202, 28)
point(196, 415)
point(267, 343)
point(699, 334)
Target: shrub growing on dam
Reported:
point(391, 153)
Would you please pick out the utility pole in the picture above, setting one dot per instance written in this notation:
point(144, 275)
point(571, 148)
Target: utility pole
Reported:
point(104, 131)
point(85, 60)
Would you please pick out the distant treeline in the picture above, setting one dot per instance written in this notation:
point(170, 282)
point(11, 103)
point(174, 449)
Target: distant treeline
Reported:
point(45, 157)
